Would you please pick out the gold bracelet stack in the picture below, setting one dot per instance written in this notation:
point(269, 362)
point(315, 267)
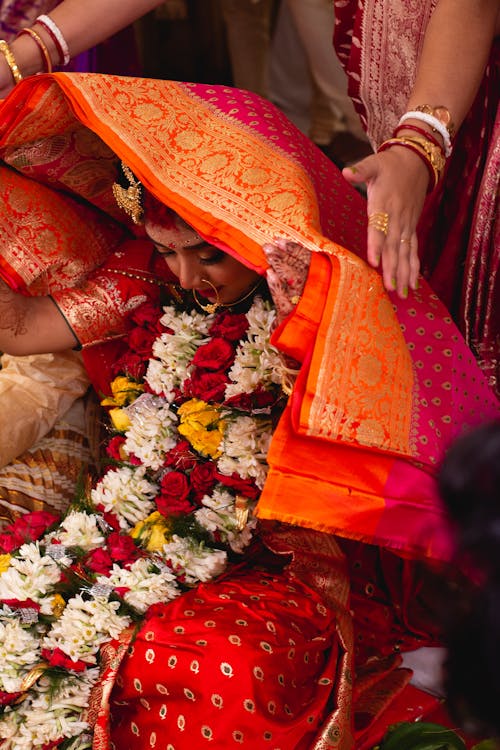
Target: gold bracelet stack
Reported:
point(11, 61)
point(430, 153)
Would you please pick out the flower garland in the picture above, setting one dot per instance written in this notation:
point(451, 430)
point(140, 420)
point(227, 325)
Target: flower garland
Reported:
point(192, 410)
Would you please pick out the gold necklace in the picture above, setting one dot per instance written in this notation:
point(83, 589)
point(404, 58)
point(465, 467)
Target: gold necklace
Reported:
point(211, 307)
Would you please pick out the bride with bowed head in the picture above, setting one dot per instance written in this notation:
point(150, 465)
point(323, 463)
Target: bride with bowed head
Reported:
point(246, 568)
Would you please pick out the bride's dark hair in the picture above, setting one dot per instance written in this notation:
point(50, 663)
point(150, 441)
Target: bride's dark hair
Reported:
point(469, 483)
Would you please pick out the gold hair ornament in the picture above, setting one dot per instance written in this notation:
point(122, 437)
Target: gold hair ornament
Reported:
point(130, 199)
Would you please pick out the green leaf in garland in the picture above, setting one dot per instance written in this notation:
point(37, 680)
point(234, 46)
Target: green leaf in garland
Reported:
point(420, 735)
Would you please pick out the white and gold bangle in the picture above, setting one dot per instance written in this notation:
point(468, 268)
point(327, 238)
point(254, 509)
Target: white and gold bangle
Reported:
point(57, 37)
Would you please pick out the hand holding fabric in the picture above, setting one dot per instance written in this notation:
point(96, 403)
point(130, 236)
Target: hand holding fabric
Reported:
point(286, 277)
point(396, 183)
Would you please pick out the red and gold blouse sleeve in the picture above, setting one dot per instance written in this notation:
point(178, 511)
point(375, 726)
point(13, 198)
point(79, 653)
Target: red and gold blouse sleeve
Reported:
point(99, 309)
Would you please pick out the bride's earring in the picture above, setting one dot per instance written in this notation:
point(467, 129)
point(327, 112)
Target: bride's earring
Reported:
point(209, 307)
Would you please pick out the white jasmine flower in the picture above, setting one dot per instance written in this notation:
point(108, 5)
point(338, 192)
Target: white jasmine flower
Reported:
point(84, 626)
point(161, 379)
point(53, 713)
point(191, 561)
point(127, 493)
point(244, 448)
point(145, 586)
point(176, 350)
point(256, 363)
point(218, 515)
point(19, 652)
point(80, 530)
point(30, 575)
point(152, 430)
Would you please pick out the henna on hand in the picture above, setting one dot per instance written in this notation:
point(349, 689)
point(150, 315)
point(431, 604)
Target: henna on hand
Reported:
point(13, 312)
point(287, 274)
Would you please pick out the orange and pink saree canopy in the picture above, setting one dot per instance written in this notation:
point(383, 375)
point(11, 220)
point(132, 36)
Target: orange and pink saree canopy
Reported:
point(385, 384)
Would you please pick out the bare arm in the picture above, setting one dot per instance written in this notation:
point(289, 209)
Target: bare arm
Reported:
point(457, 44)
point(31, 325)
point(83, 24)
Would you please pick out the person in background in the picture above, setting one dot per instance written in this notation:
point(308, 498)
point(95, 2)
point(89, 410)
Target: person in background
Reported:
point(72, 27)
point(269, 43)
point(433, 118)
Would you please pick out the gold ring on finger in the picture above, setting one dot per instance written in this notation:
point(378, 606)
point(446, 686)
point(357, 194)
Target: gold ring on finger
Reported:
point(379, 220)
point(405, 239)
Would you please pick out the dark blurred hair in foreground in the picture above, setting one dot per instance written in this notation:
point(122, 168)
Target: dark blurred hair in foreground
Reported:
point(469, 482)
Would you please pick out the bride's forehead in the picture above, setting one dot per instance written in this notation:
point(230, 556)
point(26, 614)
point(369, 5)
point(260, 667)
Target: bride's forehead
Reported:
point(166, 227)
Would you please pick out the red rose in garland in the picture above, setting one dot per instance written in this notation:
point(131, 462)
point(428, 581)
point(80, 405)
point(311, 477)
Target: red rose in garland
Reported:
point(181, 456)
point(113, 447)
point(99, 561)
point(28, 528)
point(202, 479)
point(245, 487)
point(121, 548)
point(131, 364)
point(174, 492)
point(148, 316)
point(216, 355)
point(208, 386)
point(141, 341)
point(230, 326)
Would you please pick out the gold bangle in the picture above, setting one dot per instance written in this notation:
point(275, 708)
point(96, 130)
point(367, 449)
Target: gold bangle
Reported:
point(434, 152)
point(11, 61)
point(418, 149)
point(42, 47)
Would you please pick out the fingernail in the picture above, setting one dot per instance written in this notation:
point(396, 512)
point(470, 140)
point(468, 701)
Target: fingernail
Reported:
point(405, 292)
point(353, 169)
point(417, 285)
point(393, 283)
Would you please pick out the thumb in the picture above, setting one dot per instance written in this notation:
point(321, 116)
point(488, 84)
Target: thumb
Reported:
point(364, 171)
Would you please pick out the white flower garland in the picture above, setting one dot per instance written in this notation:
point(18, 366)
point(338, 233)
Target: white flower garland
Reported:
point(52, 708)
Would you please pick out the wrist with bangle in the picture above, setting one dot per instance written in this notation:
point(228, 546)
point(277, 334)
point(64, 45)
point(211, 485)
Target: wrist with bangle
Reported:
point(424, 144)
point(11, 61)
point(426, 151)
point(47, 38)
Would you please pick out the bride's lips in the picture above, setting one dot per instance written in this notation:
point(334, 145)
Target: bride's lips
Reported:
point(209, 293)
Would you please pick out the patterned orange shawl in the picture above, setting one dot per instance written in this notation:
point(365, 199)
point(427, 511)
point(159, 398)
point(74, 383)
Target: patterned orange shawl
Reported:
point(381, 390)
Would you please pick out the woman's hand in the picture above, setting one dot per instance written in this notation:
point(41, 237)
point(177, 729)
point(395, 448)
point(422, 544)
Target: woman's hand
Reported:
point(396, 181)
point(6, 80)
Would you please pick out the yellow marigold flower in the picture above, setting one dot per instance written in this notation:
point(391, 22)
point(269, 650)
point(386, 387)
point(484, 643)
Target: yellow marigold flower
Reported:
point(120, 420)
point(57, 605)
point(124, 392)
point(202, 426)
point(4, 563)
point(153, 532)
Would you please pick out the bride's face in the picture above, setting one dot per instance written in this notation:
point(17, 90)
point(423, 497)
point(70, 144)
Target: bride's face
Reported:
point(197, 264)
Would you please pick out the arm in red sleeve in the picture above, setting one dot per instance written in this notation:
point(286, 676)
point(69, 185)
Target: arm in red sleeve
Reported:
point(99, 309)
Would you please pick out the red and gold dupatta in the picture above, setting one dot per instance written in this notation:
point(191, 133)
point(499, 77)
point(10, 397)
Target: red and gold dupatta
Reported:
point(384, 386)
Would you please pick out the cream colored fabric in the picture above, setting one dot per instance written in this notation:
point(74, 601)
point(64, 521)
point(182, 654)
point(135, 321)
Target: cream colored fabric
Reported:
point(36, 391)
